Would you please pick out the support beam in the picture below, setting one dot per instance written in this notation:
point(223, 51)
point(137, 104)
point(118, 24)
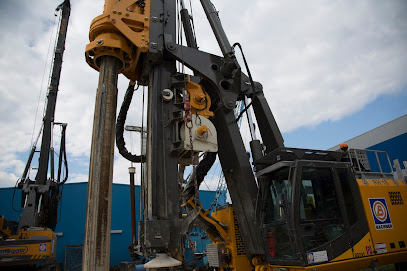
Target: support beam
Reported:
point(96, 250)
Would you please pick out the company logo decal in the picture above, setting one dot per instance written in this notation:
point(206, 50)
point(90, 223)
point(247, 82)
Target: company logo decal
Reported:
point(13, 251)
point(381, 215)
point(43, 248)
point(317, 257)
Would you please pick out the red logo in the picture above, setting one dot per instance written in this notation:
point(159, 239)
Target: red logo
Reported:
point(192, 245)
point(42, 248)
point(369, 250)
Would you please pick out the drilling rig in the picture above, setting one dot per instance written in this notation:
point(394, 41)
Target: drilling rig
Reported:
point(31, 241)
point(296, 209)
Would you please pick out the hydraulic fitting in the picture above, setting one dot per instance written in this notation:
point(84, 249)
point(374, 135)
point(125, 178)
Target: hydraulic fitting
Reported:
point(202, 130)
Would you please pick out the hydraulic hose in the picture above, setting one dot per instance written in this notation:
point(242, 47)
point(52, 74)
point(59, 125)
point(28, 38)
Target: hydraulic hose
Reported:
point(121, 119)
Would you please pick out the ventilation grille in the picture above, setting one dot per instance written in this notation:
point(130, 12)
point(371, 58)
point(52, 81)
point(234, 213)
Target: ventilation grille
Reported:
point(395, 198)
point(240, 250)
point(215, 255)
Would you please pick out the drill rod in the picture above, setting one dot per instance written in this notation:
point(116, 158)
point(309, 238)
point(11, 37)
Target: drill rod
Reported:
point(96, 250)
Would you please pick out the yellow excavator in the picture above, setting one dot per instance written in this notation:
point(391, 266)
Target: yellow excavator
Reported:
point(293, 209)
point(31, 241)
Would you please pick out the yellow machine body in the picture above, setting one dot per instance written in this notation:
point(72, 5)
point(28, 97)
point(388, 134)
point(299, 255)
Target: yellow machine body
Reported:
point(234, 254)
point(27, 247)
point(385, 243)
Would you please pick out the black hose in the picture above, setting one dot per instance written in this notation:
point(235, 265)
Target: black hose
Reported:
point(65, 162)
point(247, 66)
point(121, 119)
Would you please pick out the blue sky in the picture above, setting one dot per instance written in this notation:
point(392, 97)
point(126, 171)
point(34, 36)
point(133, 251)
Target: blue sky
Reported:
point(330, 133)
point(331, 70)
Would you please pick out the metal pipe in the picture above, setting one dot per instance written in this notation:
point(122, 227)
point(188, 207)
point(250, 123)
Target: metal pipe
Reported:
point(217, 28)
point(28, 165)
point(132, 170)
point(96, 250)
point(39, 204)
point(186, 22)
point(250, 120)
point(51, 153)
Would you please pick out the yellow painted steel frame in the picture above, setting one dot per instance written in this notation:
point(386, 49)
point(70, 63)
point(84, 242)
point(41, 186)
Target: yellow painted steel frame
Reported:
point(122, 31)
point(233, 241)
point(28, 247)
point(204, 215)
point(199, 100)
point(3, 229)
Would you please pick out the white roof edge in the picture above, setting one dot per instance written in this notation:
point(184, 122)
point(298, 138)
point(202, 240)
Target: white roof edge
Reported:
point(377, 135)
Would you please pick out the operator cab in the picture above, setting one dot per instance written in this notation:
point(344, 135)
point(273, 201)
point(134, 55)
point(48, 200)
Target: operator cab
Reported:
point(311, 207)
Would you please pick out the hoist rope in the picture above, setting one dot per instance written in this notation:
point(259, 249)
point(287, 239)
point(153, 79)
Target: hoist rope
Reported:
point(42, 81)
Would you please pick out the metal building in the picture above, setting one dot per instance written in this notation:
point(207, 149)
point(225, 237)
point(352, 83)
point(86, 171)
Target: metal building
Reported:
point(70, 228)
point(390, 137)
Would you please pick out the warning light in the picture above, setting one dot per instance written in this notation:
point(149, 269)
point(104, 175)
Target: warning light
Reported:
point(344, 147)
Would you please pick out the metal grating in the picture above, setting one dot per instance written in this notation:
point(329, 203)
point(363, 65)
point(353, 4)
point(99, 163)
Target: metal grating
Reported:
point(240, 250)
point(73, 258)
point(361, 157)
point(214, 254)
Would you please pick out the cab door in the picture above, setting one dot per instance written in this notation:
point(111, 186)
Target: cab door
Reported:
point(324, 211)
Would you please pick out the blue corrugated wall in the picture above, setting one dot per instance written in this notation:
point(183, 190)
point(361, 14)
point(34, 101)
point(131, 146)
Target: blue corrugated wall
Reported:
point(73, 213)
point(396, 148)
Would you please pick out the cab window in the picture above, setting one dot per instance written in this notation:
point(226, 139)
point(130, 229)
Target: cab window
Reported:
point(347, 195)
point(276, 212)
point(320, 215)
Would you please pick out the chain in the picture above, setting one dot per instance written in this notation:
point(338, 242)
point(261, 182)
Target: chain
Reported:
point(188, 119)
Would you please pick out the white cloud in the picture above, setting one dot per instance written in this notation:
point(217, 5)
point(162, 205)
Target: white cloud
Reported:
point(317, 61)
point(322, 61)
point(77, 178)
point(9, 165)
point(8, 179)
